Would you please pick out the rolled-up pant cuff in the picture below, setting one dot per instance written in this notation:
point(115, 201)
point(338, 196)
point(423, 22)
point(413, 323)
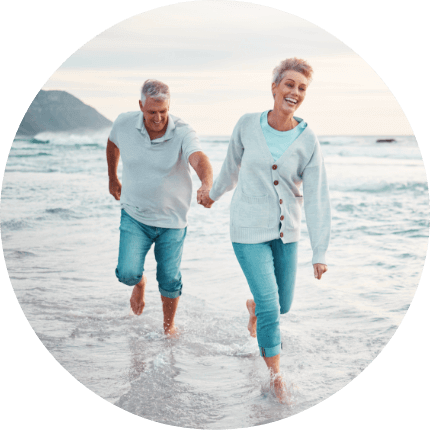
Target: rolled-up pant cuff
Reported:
point(170, 294)
point(270, 352)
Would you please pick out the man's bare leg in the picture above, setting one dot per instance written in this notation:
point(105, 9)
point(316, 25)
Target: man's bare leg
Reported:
point(137, 299)
point(169, 311)
point(252, 324)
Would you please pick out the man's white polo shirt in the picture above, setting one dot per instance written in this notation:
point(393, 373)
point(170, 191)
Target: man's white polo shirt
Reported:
point(156, 178)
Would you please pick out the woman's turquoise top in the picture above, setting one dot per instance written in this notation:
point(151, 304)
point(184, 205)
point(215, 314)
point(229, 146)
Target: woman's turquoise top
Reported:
point(279, 141)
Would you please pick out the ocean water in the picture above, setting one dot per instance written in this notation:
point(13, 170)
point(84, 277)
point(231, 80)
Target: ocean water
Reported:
point(60, 238)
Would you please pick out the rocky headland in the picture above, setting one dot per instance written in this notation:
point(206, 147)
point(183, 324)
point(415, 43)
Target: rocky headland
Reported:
point(59, 111)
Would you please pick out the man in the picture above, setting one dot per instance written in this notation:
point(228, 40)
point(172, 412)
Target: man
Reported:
point(156, 149)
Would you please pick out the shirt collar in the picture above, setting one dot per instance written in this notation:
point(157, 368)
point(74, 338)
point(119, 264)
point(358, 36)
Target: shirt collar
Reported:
point(167, 135)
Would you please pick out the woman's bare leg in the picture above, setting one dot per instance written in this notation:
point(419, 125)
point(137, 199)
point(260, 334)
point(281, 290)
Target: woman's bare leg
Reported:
point(272, 363)
point(277, 381)
point(252, 324)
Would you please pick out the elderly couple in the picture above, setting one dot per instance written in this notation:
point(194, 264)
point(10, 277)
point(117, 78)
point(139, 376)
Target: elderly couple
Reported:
point(269, 156)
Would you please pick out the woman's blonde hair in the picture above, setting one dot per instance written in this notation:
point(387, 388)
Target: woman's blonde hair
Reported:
point(296, 64)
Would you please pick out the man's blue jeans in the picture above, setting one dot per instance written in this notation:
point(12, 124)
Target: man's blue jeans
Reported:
point(270, 269)
point(135, 241)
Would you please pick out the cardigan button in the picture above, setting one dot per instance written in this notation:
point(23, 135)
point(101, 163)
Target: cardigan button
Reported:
point(274, 167)
point(276, 182)
point(280, 201)
point(282, 234)
point(282, 217)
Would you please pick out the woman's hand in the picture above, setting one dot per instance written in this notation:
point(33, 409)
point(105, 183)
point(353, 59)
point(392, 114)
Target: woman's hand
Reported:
point(203, 197)
point(319, 269)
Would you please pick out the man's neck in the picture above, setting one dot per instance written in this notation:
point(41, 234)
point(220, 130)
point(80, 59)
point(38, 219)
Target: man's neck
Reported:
point(156, 134)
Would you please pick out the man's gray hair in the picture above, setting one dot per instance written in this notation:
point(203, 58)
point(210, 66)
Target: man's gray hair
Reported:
point(295, 64)
point(154, 89)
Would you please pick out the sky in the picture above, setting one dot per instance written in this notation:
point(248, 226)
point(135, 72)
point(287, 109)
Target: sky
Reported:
point(217, 58)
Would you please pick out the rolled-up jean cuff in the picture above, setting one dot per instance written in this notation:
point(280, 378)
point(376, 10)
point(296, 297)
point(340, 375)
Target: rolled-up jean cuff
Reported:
point(130, 280)
point(270, 352)
point(170, 294)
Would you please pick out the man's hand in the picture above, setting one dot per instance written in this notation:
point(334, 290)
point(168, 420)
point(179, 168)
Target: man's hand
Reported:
point(115, 188)
point(112, 157)
point(203, 197)
point(200, 163)
point(319, 269)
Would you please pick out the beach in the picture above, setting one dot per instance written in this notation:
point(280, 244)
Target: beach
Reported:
point(60, 237)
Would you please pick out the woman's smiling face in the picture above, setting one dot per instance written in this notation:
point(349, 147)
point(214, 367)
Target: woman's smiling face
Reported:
point(290, 92)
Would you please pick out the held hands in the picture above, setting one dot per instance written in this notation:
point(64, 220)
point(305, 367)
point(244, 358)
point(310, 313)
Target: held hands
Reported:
point(203, 197)
point(115, 188)
point(319, 269)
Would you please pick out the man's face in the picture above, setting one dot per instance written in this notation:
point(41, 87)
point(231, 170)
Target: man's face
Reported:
point(155, 114)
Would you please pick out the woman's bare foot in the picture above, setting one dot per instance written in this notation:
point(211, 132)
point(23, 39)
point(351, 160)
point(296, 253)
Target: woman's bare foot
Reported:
point(252, 324)
point(279, 386)
point(137, 299)
point(277, 383)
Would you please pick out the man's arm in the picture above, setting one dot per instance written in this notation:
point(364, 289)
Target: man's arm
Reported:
point(201, 164)
point(112, 157)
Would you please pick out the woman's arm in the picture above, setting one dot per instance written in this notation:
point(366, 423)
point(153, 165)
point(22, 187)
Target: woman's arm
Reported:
point(317, 208)
point(228, 177)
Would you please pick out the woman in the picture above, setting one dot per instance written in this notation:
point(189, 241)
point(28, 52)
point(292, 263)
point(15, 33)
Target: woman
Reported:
point(269, 156)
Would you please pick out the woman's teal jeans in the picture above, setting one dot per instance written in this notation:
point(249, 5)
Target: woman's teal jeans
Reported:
point(270, 269)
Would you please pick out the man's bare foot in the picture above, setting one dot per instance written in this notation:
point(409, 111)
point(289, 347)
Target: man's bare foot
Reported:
point(169, 312)
point(279, 386)
point(252, 324)
point(172, 332)
point(137, 299)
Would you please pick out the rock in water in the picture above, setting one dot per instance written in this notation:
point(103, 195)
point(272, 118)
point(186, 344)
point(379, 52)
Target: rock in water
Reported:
point(60, 111)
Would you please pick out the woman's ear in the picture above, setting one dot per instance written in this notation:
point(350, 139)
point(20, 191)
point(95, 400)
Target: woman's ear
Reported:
point(273, 89)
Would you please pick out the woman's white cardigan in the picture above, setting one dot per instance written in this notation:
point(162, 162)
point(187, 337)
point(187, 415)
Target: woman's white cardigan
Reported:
point(267, 202)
